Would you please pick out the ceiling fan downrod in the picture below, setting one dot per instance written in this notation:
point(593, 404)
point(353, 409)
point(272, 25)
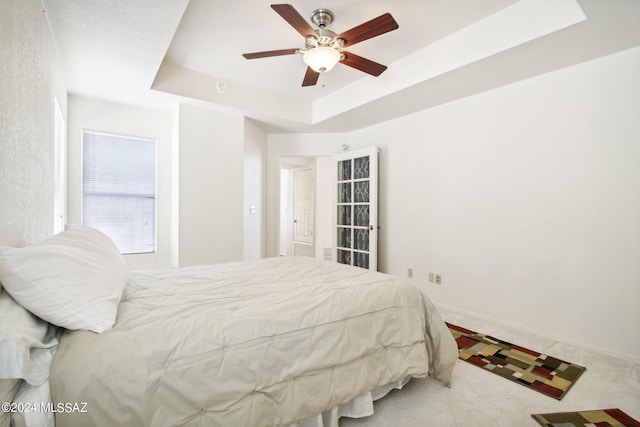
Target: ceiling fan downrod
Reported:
point(322, 17)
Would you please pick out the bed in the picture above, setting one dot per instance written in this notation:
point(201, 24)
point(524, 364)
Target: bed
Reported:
point(273, 342)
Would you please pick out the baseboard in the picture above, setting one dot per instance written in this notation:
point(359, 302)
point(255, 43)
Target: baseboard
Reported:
point(623, 356)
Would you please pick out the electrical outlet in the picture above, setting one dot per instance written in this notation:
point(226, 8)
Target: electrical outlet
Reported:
point(410, 273)
point(432, 277)
point(438, 279)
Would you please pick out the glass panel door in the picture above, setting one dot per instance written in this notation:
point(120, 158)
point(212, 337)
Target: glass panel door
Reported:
point(356, 227)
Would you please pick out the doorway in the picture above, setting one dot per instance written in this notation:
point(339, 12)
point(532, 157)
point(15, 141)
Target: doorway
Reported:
point(305, 206)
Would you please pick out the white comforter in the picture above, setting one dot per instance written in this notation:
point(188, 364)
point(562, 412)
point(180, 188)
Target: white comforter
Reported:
point(262, 343)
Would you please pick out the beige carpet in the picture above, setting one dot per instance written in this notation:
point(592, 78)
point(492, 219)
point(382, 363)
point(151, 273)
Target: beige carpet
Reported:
point(478, 398)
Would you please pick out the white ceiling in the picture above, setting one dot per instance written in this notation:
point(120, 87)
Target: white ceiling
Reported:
point(159, 52)
point(212, 36)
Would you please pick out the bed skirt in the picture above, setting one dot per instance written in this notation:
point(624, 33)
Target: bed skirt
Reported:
point(360, 407)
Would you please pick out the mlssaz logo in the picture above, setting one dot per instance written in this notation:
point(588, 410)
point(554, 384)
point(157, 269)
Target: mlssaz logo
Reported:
point(62, 407)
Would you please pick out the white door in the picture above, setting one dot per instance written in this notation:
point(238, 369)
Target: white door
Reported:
point(356, 220)
point(303, 189)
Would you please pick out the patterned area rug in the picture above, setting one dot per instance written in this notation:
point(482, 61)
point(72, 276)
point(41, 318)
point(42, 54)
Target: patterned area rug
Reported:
point(599, 418)
point(540, 372)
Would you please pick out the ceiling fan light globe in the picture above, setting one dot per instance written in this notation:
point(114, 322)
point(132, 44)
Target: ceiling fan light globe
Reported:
point(322, 58)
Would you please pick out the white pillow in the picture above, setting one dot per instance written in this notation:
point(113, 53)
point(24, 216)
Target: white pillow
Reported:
point(74, 279)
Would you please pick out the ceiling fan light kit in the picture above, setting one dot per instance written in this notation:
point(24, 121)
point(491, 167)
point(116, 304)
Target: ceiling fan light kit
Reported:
point(323, 47)
point(322, 58)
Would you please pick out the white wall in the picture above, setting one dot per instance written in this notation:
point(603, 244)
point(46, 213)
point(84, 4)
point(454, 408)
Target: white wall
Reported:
point(29, 83)
point(92, 114)
point(525, 198)
point(323, 232)
point(255, 172)
point(211, 186)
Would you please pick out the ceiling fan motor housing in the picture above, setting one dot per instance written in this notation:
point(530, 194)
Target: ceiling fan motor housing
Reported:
point(324, 38)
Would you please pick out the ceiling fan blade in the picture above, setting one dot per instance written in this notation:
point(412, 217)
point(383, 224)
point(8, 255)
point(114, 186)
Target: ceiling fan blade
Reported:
point(380, 25)
point(294, 19)
point(310, 77)
point(362, 64)
point(268, 53)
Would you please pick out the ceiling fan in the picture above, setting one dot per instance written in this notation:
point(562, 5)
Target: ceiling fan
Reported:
point(323, 48)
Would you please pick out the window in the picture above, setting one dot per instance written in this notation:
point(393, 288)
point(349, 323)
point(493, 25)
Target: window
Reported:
point(119, 189)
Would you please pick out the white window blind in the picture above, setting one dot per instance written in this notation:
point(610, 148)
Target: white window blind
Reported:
point(119, 189)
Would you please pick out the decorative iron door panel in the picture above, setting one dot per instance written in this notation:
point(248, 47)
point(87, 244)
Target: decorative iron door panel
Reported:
point(356, 213)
